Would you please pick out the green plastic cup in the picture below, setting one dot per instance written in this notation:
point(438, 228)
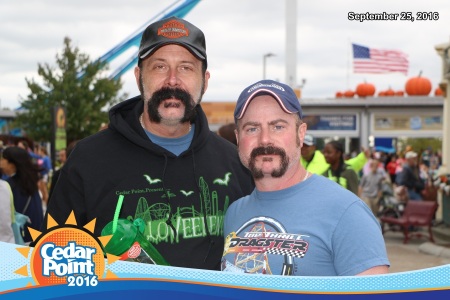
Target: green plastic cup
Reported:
point(130, 244)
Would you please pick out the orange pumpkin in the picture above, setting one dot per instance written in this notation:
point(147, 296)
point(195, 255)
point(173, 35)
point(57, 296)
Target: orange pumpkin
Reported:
point(438, 92)
point(389, 92)
point(349, 94)
point(382, 94)
point(399, 93)
point(365, 90)
point(418, 86)
point(339, 94)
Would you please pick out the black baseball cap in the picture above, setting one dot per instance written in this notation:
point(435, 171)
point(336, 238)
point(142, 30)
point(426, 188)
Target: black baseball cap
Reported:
point(173, 31)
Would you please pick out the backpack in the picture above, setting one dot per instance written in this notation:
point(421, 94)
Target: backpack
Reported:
point(18, 220)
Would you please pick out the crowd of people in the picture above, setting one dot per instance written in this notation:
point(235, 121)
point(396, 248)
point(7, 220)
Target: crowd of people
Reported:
point(407, 172)
point(366, 174)
point(25, 180)
point(206, 201)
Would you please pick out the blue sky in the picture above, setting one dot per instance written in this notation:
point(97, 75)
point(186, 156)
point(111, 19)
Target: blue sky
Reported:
point(238, 34)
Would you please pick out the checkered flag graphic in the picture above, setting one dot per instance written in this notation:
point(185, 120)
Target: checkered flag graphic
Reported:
point(285, 252)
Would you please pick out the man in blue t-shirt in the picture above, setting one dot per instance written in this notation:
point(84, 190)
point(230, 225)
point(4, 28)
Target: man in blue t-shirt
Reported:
point(294, 222)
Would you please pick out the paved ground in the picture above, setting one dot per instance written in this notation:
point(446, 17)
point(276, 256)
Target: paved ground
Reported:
point(418, 254)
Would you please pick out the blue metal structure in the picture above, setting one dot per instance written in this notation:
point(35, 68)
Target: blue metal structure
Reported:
point(178, 9)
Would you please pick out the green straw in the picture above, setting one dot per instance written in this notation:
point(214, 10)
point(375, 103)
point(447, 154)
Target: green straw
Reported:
point(117, 212)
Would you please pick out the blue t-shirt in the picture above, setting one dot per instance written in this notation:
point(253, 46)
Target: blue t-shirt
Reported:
point(174, 145)
point(314, 228)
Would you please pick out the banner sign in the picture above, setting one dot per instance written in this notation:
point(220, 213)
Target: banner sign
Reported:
point(59, 127)
point(331, 122)
point(408, 122)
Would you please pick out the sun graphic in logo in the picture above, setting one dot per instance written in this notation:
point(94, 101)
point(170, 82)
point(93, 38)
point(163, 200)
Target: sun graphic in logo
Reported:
point(67, 255)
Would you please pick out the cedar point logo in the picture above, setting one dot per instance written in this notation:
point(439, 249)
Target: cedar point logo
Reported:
point(67, 255)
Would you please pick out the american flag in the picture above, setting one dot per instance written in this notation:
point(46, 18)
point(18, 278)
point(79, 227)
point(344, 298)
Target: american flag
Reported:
point(367, 60)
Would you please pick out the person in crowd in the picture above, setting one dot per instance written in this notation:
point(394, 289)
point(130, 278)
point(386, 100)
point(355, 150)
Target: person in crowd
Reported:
point(46, 164)
point(400, 161)
point(24, 145)
point(409, 177)
point(23, 179)
point(370, 187)
point(158, 152)
point(424, 173)
point(312, 158)
point(339, 171)
point(425, 157)
point(391, 167)
point(314, 161)
point(63, 154)
point(227, 132)
point(435, 161)
point(46, 168)
point(6, 233)
point(381, 170)
point(62, 157)
point(294, 222)
point(41, 159)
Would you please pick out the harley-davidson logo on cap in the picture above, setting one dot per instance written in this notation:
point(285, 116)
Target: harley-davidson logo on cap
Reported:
point(173, 30)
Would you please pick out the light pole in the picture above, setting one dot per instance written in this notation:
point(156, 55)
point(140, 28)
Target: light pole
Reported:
point(264, 63)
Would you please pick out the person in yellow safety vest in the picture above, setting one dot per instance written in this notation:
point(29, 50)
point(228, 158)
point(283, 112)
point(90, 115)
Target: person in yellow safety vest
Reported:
point(314, 161)
point(339, 171)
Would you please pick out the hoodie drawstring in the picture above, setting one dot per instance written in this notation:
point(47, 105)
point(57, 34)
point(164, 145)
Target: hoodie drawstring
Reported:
point(167, 193)
point(208, 234)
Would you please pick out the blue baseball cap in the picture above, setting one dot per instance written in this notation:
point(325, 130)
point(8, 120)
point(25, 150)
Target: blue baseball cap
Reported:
point(281, 92)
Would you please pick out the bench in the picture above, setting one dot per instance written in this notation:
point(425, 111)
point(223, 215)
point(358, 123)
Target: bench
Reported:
point(416, 214)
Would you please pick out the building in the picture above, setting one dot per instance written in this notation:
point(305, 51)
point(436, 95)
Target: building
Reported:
point(6, 117)
point(371, 121)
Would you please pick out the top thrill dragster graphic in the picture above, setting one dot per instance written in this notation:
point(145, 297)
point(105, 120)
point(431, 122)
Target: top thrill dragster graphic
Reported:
point(252, 248)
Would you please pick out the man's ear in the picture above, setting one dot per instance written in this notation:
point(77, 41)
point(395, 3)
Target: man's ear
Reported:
point(137, 75)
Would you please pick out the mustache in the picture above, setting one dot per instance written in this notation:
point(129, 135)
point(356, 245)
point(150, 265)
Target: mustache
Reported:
point(168, 93)
point(269, 150)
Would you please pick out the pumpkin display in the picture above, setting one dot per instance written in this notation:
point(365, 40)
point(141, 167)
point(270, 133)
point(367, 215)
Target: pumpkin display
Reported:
point(365, 90)
point(418, 86)
point(438, 92)
point(339, 94)
point(389, 92)
point(349, 94)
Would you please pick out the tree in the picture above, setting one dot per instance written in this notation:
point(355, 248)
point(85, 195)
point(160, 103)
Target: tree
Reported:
point(420, 144)
point(79, 85)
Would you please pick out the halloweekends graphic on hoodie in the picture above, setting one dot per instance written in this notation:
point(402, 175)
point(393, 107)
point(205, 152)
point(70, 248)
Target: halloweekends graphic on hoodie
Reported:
point(187, 221)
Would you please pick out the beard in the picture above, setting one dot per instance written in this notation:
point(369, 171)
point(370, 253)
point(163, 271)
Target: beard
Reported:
point(269, 150)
